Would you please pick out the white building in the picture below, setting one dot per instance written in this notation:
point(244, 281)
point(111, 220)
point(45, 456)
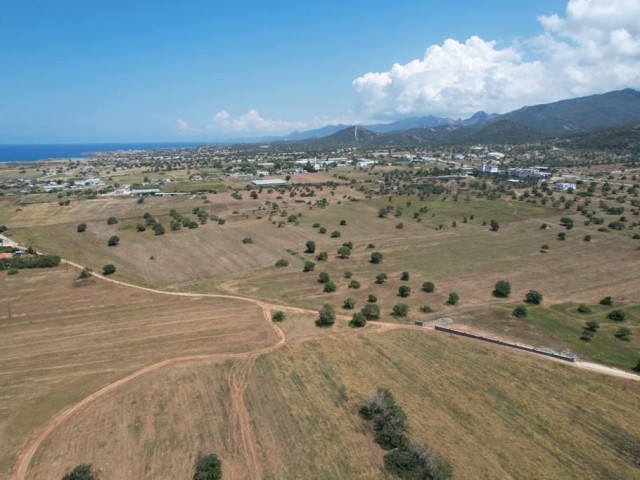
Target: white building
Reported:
point(563, 187)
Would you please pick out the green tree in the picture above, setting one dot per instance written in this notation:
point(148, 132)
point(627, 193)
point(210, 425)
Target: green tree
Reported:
point(357, 320)
point(326, 316)
point(310, 246)
point(376, 257)
point(112, 221)
point(371, 311)
point(355, 284)
point(623, 333)
point(278, 316)
point(329, 287)
point(308, 266)
point(108, 269)
point(323, 277)
point(502, 289)
point(400, 310)
point(494, 225)
point(349, 303)
point(140, 227)
point(453, 298)
point(344, 252)
point(404, 291)
point(533, 297)
point(404, 276)
point(113, 241)
point(208, 467)
point(158, 229)
point(616, 315)
point(606, 301)
point(593, 325)
point(84, 273)
point(637, 367)
point(335, 234)
point(81, 227)
point(322, 256)
point(282, 263)
point(520, 311)
point(381, 278)
point(80, 472)
point(582, 308)
point(372, 298)
point(428, 287)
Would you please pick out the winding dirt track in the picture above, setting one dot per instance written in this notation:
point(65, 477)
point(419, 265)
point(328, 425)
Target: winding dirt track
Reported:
point(245, 456)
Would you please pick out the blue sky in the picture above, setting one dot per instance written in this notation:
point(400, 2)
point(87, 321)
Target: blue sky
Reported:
point(166, 70)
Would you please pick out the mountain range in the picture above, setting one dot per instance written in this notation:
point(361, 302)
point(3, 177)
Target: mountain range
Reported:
point(566, 118)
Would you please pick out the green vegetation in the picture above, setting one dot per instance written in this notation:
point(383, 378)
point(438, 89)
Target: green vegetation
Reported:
point(400, 310)
point(80, 472)
point(358, 320)
point(113, 241)
point(109, 269)
point(310, 246)
point(81, 227)
point(453, 298)
point(282, 263)
point(520, 311)
point(376, 257)
point(208, 467)
point(31, 261)
point(502, 289)
point(533, 297)
point(278, 316)
point(428, 287)
point(326, 316)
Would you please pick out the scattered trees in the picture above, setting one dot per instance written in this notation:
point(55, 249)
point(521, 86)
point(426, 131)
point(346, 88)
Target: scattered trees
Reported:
point(308, 266)
point(335, 234)
point(322, 256)
point(329, 287)
point(533, 297)
point(372, 298)
point(112, 221)
point(404, 276)
point(582, 308)
point(606, 301)
point(344, 252)
point(158, 229)
point(326, 316)
point(624, 334)
point(282, 263)
point(208, 467)
point(502, 289)
point(355, 284)
point(323, 277)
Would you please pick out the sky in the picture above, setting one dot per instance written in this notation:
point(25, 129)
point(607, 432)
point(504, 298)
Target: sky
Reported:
point(78, 71)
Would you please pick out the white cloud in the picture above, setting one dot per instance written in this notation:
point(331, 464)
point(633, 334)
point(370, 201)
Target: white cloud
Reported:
point(253, 123)
point(183, 127)
point(594, 48)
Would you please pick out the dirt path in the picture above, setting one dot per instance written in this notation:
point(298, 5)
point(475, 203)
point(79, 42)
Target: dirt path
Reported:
point(245, 454)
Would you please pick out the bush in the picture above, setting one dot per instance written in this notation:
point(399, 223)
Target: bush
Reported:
point(404, 276)
point(322, 230)
point(282, 263)
point(80, 472)
point(587, 335)
point(278, 316)
point(140, 227)
point(371, 311)
point(316, 225)
point(533, 297)
point(623, 333)
point(13, 271)
point(323, 277)
point(616, 315)
point(428, 287)
point(426, 309)
point(326, 316)
point(113, 241)
point(587, 238)
point(606, 301)
point(322, 256)
point(84, 273)
point(637, 367)
point(417, 461)
point(520, 311)
point(247, 240)
point(329, 287)
point(562, 236)
point(494, 225)
point(372, 298)
point(347, 274)
point(112, 221)
point(310, 246)
point(502, 289)
point(208, 467)
point(358, 320)
point(308, 266)
point(349, 304)
point(376, 257)
point(453, 298)
point(381, 278)
point(108, 269)
point(335, 234)
point(158, 229)
point(81, 227)
point(355, 284)
point(400, 310)
point(343, 222)
point(582, 308)
point(404, 291)
point(593, 325)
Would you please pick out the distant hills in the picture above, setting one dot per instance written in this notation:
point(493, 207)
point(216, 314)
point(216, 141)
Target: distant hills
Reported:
point(566, 118)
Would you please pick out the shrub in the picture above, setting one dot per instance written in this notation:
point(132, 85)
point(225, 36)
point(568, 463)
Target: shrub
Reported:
point(81, 227)
point(400, 310)
point(140, 227)
point(84, 273)
point(404, 291)
point(344, 252)
point(520, 311)
point(616, 315)
point(108, 269)
point(371, 311)
point(637, 367)
point(282, 263)
point(349, 304)
point(310, 246)
point(376, 257)
point(329, 287)
point(316, 225)
point(348, 274)
point(158, 229)
point(335, 234)
point(343, 222)
point(502, 289)
point(322, 230)
point(593, 325)
point(326, 316)
point(13, 271)
point(372, 298)
point(381, 278)
point(358, 320)
point(533, 297)
point(278, 316)
point(308, 266)
point(247, 240)
point(426, 309)
point(428, 287)
point(404, 276)
point(208, 467)
point(587, 335)
point(322, 256)
point(582, 308)
point(417, 461)
point(453, 298)
point(494, 225)
point(112, 221)
point(623, 333)
point(113, 241)
point(587, 238)
point(323, 277)
point(355, 284)
point(80, 472)
point(606, 301)
point(562, 236)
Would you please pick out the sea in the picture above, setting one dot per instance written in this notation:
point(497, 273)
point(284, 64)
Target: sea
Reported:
point(31, 152)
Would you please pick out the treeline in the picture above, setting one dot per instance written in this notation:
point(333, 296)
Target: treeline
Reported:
point(35, 261)
point(406, 459)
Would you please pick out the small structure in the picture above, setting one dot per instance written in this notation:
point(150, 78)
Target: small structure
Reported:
point(419, 323)
point(273, 182)
point(563, 187)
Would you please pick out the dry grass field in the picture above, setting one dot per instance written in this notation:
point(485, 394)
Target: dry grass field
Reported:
point(293, 414)
point(62, 341)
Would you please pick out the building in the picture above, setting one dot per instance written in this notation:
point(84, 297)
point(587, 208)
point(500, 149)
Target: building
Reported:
point(528, 173)
point(563, 187)
point(488, 167)
point(273, 182)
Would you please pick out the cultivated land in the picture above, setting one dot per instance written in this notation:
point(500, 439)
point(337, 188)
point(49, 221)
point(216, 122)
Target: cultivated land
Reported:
point(151, 380)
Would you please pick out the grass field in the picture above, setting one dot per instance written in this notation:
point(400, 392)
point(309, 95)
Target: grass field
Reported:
point(493, 413)
point(62, 341)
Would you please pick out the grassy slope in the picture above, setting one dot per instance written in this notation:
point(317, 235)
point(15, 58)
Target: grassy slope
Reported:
point(493, 413)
